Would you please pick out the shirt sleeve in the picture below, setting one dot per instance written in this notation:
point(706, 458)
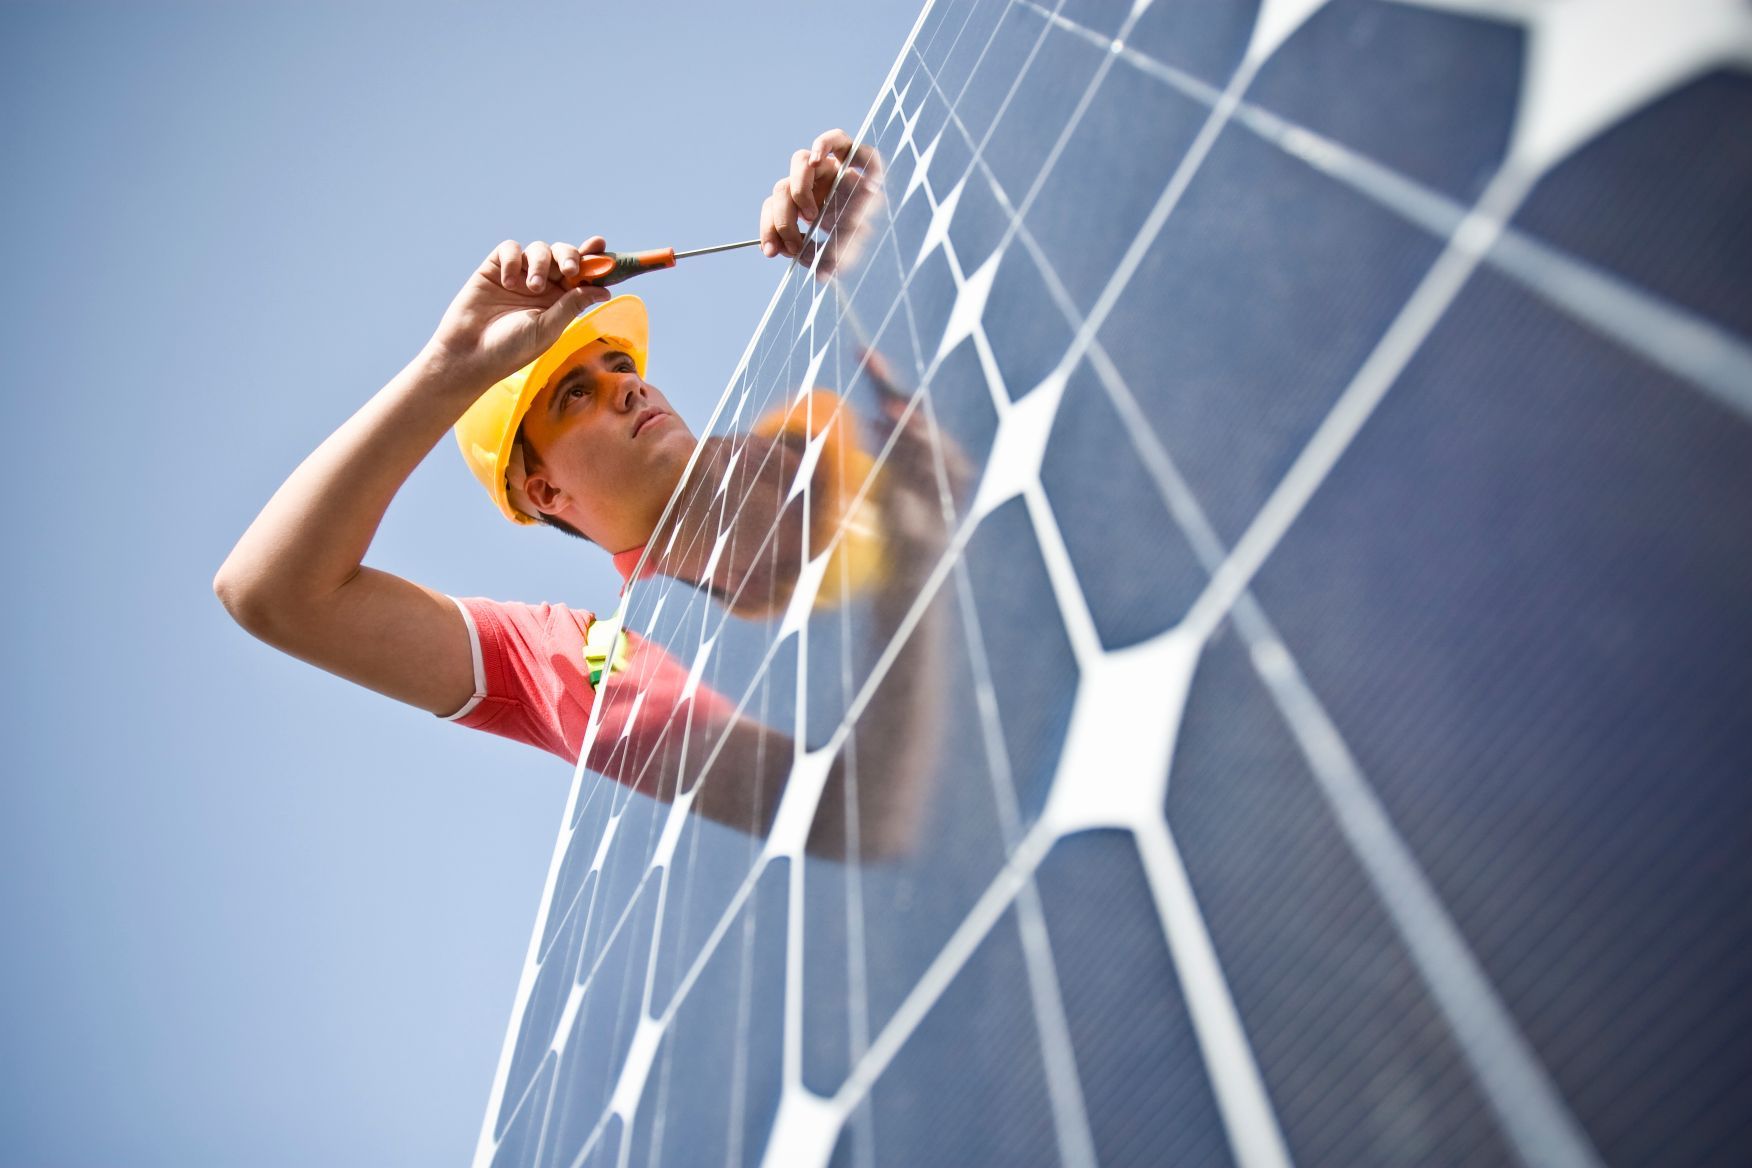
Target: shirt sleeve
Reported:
point(532, 685)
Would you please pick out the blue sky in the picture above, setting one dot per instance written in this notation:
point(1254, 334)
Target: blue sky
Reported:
point(252, 915)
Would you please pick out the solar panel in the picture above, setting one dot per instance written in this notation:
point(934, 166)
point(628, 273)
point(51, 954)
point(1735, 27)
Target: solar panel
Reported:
point(1249, 658)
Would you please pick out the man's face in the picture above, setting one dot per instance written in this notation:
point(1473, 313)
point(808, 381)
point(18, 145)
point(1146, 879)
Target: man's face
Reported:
point(604, 448)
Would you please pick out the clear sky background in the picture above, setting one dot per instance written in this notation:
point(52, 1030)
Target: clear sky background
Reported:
point(251, 915)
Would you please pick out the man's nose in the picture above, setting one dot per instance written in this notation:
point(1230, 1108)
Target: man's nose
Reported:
point(629, 391)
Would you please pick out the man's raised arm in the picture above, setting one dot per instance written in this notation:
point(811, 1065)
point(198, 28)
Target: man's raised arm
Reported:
point(297, 579)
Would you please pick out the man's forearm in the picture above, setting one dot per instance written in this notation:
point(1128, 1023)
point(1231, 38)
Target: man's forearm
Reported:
point(899, 736)
point(312, 535)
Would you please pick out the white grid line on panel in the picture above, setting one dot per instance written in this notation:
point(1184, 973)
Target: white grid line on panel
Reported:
point(897, 640)
point(1692, 348)
point(1219, 603)
point(1523, 1098)
point(1242, 1099)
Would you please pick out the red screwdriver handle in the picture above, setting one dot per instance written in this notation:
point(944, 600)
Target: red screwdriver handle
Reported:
point(611, 267)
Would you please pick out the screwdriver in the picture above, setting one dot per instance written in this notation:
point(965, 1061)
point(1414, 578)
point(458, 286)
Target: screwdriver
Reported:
point(611, 267)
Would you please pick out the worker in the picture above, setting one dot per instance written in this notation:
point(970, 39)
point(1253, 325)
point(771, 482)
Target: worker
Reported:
point(543, 379)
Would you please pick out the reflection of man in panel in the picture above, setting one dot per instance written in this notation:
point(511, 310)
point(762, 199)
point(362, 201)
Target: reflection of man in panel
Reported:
point(554, 415)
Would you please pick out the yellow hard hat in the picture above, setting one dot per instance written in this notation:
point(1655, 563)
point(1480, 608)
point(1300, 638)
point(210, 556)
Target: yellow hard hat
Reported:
point(488, 431)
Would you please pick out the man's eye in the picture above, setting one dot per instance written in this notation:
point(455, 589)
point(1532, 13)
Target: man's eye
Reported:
point(576, 391)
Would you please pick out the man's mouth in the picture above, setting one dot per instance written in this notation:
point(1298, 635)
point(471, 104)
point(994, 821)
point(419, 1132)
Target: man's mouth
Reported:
point(646, 418)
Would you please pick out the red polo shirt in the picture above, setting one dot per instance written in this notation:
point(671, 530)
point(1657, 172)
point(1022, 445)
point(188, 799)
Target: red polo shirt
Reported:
point(532, 684)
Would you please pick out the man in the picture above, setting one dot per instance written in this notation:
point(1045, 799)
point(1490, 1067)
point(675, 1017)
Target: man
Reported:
point(554, 415)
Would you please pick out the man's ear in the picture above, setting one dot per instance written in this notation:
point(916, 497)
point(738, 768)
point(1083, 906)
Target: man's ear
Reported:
point(546, 497)
point(516, 471)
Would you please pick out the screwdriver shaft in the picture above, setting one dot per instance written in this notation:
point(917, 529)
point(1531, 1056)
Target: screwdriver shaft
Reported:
point(682, 255)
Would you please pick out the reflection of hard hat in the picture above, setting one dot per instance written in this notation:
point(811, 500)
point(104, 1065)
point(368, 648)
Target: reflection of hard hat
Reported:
point(843, 465)
point(488, 431)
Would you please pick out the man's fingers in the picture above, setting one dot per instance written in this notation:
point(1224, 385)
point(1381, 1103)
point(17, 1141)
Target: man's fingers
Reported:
point(864, 157)
point(790, 239)
point(784, 214)
point(538, 256)
point(510, 257)
point(770, 243)
point(836, 142)
point(595, 245)
point(559, 314)
point(802, 185)
point(823, 193)
point(838, 145)
point(566, 260)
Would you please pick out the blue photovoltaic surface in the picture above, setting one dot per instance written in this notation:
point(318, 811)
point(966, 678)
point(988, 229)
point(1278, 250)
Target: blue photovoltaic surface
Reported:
point(1300, 712)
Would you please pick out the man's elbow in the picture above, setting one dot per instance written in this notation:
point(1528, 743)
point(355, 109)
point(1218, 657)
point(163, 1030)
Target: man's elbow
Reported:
point(248, 601)
point(885, 822)
point(236, 595)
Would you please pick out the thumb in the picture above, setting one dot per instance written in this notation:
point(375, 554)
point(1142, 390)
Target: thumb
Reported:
point(554, 319)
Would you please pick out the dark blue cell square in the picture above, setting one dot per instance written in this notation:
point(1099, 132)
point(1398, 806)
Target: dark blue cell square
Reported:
point(884, 129)
point(1430, 94)
point(1139, 574)
point(970, 45)
point(898, 165)
point(968, 1087)
point(541, 1012)
point(1522, 597)
point(580, 852)
point(874, 287)
point(949, 161)
point(1660, 200)
point(1358, 1064)
point(627, 860)
point(932, 114)
point(1002, 62)
point(979, 223)
point(911, 829)
point(1204, 38)
point(624, 878)
point(712, 862)
point(1029, 333)
point(772, 346)
point(1039, 110)
point(521, 1138)
point(730, 789)
point(714, 1084)
point(602, 1031)
point(1251, 311)
point(1145, 1086)
point(852, 622)
point(912, 219)
point(834, 659)
point(930, 294)
point(1103, 16)
point(587, 820)
point(938, 29)
point(893, 370)
point(1033, 671)
point(878, 380)
point(1113, 170)
point(961, 406)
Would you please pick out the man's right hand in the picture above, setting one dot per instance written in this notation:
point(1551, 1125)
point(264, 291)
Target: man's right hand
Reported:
point(815, 195)
point(516, 304)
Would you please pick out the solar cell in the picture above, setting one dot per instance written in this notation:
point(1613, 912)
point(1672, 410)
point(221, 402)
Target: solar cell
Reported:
point(1248, 659)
